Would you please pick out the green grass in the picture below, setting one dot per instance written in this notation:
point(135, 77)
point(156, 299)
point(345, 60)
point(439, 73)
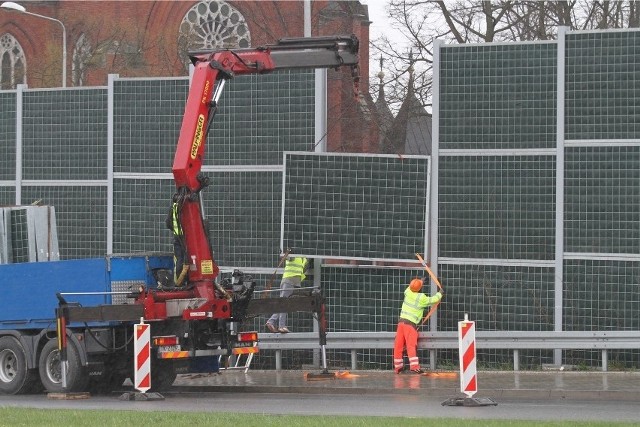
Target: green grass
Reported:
point(70, 418)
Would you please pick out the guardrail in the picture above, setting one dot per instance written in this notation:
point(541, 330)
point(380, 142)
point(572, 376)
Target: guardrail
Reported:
point(509, 340)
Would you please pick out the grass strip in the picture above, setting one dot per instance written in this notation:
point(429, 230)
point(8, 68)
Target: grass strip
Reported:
point(14, 417)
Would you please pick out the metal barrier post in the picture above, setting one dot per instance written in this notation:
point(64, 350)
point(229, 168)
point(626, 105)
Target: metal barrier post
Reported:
point(61, 329)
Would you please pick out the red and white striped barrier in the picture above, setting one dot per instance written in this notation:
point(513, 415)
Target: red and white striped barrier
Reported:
point(468, 374)
point(467, 347)
point(142, 352)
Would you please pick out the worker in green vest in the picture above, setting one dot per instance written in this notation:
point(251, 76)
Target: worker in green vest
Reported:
point(407, 334)
point(179, 246)
point(294, 273)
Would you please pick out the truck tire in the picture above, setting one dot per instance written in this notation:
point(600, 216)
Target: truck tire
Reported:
point(15, 378)
point(51, 369)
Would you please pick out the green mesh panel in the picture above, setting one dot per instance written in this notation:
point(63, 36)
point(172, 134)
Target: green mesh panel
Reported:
point(7, 195)
point(260, 116)
point(140, 208)
point(65, 134)
point(602, 200)
point(499, 207)
point(243, 209)
point(7, 136)
point(147, 119)
point(602, 85)
point(498, 96)
point(355, 206)
point(498, 298)
point(601, 295)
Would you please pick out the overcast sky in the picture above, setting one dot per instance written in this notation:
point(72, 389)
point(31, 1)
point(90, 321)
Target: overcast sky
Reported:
point(380, 22)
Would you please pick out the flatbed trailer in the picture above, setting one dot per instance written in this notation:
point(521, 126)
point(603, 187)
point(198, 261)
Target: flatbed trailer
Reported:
point(98, 293)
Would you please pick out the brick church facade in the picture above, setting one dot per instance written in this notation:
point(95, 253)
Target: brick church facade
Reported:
point(151, 38)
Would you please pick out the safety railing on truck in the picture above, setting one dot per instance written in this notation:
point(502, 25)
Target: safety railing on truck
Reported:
point(503, 340)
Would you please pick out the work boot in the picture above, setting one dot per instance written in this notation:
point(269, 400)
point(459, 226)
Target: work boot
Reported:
point(417, 371)
point(271, 328)
point(283, 330)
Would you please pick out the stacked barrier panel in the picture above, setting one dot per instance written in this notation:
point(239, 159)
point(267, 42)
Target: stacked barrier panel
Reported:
point(7, 147)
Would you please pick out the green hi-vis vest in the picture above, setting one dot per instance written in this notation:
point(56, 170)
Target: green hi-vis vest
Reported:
point(414, 304)
point(175, 221)
point(295, 267)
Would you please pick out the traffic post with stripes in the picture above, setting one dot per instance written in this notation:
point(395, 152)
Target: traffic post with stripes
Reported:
point(142, 357)
point(142, 364)
point(468, 372)
point(467, 356)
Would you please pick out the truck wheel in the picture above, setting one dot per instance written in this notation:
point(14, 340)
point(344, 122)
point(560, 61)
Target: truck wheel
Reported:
point(51, 369)
point(15, 378)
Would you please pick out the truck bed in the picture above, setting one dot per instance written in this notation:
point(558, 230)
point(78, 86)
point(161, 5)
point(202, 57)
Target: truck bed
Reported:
point(28, 290)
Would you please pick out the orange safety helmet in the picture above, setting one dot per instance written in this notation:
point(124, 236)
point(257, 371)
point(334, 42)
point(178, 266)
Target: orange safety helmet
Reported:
point(415, 285)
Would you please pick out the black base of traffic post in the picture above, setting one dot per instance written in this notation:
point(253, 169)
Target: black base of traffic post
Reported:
point(470, 401)
point(141, 397)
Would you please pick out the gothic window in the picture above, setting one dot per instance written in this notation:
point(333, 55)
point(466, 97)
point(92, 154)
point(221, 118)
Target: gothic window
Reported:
point(81, 57)
point(13, 68)
point(212, 24)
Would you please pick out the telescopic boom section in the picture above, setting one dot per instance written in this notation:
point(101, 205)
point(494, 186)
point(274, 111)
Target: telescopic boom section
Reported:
point(212, 69)
point(213, 66)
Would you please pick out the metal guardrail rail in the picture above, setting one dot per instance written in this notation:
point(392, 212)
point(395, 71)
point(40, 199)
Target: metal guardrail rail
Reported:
point(507, 340)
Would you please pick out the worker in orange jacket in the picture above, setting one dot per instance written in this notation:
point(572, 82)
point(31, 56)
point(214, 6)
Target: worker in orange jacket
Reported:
point(410, 316)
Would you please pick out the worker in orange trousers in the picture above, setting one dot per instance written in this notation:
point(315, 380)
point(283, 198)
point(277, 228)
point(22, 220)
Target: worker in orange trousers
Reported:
point(410, 316)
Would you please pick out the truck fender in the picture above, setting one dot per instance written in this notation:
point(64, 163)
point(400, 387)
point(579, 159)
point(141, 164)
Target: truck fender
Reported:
point(46, 335)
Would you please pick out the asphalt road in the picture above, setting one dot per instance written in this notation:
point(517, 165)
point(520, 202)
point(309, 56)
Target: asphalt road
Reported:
point(419, 405)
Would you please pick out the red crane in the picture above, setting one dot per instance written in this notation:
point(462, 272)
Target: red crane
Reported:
point(212, 69)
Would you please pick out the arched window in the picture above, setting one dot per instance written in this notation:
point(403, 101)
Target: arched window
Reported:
point(13, 68)
point(81, 57)
point(212, 24)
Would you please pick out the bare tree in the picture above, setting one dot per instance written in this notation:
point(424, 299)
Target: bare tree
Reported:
point(477, 21)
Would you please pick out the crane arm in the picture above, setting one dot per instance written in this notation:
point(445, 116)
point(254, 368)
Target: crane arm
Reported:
point(212, 68)
point(293, 52)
